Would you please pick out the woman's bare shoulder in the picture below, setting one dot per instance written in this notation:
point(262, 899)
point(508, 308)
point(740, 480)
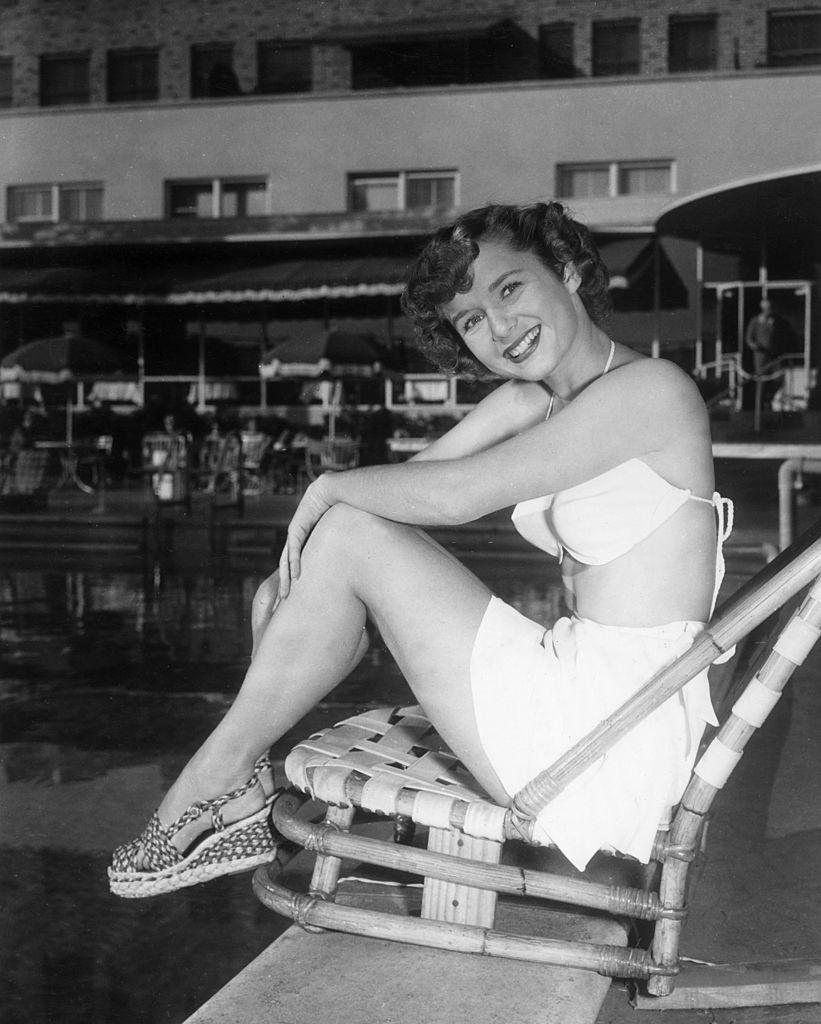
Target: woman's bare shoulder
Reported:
point(659, 381)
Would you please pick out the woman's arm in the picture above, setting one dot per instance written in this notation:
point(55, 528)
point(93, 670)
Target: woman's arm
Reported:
point(512, 407)
point(648, 408)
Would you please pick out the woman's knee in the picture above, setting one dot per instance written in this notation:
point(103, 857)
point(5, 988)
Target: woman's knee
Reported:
point(264, 601)
point(346, 526)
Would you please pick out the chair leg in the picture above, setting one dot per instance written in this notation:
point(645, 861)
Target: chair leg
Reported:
point(326, 869)
point(454, 903)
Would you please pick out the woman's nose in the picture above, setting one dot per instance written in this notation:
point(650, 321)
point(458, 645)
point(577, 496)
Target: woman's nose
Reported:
point(501, 322)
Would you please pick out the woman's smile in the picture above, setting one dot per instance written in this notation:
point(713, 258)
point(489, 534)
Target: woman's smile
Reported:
point(524, 346)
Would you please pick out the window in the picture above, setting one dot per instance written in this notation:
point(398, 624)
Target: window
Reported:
point(132, 76)
point(6, 81)
point(608, 179)
point(64, 79)
point(82, 201)
point(692, 43)
point(283, 67)
point(403, 190)
point(217, 197)
point(616, 47)
point(583, 181)
point(556, 50)
point(212, 71)
point(644, 178)
point(793, 38)
point(459, 56)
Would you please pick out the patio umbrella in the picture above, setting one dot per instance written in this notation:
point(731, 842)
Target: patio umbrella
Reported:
point(67, 359)
point(332, 355)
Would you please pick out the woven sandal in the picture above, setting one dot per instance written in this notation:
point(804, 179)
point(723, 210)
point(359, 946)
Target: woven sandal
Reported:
point(227, 850)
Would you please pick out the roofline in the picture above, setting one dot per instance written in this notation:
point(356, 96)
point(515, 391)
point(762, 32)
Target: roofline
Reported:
point(756, 179)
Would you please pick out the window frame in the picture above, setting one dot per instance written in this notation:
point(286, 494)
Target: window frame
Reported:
point(217, 187)
point(66, 98)
point(614, 170)
point(793, 57)
point(401, 179)
point(137, 95)
point(679, 21)
point(6, 75)
point(305, 84)
point(620, 24)
point(545, 30)
point(56, 191)
point(198, 50)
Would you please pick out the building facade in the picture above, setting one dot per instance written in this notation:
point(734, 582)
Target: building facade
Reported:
point(202, 163)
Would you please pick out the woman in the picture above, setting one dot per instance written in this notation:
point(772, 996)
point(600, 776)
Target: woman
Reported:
point(606, 455)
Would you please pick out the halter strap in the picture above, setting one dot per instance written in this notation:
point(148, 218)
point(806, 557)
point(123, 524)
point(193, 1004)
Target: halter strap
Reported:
point(725, 511)
point(607, 366)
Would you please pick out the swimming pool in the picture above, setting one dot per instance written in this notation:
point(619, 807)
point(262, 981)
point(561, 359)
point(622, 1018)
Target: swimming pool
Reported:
point(108, 681)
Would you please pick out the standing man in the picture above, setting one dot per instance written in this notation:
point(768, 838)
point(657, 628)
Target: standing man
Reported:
point(760, 336)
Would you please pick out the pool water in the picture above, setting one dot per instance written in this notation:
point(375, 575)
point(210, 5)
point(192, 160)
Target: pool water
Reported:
point(108, 682)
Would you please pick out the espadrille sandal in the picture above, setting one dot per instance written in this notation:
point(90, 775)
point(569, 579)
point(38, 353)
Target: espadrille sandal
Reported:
point(227, 850)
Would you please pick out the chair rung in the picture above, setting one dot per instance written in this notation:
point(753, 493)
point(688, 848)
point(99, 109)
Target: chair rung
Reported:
point(503, 878)
point(308, 911)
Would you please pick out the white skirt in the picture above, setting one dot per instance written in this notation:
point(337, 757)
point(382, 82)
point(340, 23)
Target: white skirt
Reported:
point(536, 692)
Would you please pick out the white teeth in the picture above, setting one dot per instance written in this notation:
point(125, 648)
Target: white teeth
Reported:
point(520, 346)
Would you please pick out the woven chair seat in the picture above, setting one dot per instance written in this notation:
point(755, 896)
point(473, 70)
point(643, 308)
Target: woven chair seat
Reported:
point(391, 761)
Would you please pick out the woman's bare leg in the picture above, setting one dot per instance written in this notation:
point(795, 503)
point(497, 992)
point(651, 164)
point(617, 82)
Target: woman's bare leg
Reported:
point(426, 605)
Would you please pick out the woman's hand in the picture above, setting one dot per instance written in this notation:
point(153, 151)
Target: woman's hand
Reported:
point(312, 507)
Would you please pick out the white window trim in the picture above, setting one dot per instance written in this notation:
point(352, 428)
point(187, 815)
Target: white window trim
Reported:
point(401, 179)
point(216, 186)
point(614, 168)
point(54, 188)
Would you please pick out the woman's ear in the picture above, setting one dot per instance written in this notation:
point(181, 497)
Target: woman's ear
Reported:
point(571, 278)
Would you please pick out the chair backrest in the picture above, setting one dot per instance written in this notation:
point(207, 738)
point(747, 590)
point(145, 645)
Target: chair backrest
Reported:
point(29, 473)
point(331, 455)
point(210, 453)
point(230, 454)
point(765, 594)
point(254, 446)
point(165, 451)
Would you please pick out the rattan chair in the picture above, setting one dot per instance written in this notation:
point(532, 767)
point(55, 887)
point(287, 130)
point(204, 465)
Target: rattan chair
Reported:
point(391, 763)
point(254, 450)
point(331, 455)
point(166, 466)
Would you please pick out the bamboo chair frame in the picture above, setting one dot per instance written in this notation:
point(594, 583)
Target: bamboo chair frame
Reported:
point(461, 865)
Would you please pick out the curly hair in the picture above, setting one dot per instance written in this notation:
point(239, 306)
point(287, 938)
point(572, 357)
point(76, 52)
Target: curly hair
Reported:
point(443, 270)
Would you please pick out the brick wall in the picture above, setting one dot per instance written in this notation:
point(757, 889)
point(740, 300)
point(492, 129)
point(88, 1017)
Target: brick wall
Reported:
point(29, 28)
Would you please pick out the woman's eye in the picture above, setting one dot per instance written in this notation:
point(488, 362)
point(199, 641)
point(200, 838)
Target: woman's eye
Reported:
point(471, 321)
point(509, 287)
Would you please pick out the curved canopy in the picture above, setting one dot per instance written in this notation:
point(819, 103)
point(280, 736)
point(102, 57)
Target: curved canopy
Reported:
point(778, 209)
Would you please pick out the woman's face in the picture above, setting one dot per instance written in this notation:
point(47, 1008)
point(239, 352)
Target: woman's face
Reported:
point(518, 318)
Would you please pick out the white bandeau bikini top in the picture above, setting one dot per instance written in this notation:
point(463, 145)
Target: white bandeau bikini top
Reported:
point(600, 519)
point(603, 518)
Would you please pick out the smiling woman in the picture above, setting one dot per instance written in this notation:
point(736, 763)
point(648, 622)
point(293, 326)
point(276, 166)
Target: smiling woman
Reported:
point(606, 456)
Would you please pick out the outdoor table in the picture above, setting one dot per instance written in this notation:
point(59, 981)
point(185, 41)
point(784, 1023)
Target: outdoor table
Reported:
point(69, 457)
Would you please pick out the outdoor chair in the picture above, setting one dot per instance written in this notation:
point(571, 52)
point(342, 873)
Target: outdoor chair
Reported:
point(94, 455)
point(26, 472)
point(390, 763)
point(166, 466)
point(254, 448)
point(225, 484)
point(330, 455)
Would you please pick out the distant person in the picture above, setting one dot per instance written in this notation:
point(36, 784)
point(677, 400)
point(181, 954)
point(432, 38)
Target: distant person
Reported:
point(760, 336)
point(606, 455)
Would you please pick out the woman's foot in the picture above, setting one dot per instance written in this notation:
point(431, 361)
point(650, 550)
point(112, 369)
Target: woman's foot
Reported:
point(210, 837)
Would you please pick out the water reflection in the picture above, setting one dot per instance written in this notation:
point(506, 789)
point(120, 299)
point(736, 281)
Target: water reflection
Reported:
point(108, 681)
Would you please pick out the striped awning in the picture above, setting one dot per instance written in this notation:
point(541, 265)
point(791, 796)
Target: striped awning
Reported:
point(128, 283)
